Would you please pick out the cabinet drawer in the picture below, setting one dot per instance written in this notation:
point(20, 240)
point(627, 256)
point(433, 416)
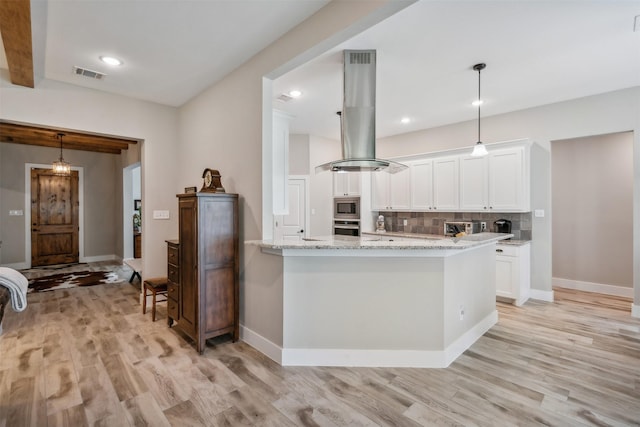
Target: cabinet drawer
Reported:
point(506, 250)
point(173, 291)
point(173, 273)
point(172, 309)
point(172, 254)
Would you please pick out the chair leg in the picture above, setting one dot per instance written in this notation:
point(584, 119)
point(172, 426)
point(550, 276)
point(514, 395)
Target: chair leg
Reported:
point(144, 300)
point(153, 308)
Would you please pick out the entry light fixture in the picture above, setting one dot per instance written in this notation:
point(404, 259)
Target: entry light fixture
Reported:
point(60, 167)
point(295, 93)
point(479, 149)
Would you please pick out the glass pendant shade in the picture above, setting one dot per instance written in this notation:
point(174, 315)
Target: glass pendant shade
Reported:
point(479, 150)
point(60, 167)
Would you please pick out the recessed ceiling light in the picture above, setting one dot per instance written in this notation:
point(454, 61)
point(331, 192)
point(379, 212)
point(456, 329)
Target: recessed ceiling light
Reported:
point(405, 120)
point(477, 102)
point(295, 93)
point(110, 60)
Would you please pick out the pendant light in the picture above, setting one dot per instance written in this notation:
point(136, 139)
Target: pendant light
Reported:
point(479, 149)
point(60, 167)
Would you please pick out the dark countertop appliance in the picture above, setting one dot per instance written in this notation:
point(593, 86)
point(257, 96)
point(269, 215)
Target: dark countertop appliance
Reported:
point(502, 226)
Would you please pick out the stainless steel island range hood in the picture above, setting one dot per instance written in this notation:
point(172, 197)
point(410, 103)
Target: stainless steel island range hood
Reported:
point(358, 119)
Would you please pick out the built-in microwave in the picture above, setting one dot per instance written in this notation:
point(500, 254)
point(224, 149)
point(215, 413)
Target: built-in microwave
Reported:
point(346, 208)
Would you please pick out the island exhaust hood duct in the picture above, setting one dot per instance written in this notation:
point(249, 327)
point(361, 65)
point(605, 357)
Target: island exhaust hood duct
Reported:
point(358, 118)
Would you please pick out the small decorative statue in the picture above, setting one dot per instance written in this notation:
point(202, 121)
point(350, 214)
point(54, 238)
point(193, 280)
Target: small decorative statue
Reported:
point(380, 225)
point(136, 222)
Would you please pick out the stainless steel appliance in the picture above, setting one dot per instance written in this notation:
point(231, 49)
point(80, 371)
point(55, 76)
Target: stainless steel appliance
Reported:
point(346, 228)
point(451, 228)
point(346, 208)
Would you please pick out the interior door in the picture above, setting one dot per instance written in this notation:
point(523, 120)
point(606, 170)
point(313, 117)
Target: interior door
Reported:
point(54, 218)
point(294, 225)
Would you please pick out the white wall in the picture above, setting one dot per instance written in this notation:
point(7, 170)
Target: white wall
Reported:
point(66, 106)
point(222, 128)
point(592, 198)
point(298, 154)
point(595, 115)
point(321, 151)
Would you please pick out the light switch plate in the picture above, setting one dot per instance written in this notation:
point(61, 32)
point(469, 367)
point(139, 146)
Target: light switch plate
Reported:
point(16, 212)
point(160, 214)
point(539, 213)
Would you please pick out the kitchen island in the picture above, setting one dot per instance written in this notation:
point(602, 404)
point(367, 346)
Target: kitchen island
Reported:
point(368, 302)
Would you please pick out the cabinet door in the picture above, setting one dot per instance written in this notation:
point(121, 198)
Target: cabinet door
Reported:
point(505, 275)
point(399, 186)
point(506, 179)
point(445, 183)
point(188, 232)
point(474, 183)
point(422, 185)
point(346, 184)
point(380, 191)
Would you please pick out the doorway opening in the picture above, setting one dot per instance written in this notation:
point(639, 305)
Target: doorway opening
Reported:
point(592, 213)
point(131, 206)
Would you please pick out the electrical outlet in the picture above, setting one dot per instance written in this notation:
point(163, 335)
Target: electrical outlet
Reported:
point(462, 312)
point(405, 222)
point(483, 226)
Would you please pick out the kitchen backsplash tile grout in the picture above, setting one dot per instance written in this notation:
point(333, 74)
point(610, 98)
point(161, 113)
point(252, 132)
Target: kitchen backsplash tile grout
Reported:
point(433, 222)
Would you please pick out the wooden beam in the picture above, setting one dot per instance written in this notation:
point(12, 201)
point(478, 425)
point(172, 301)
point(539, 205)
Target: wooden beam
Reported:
point(72, 140)
point(15, 28)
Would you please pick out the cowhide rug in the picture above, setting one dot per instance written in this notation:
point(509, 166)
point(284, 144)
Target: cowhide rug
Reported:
point(71, 280)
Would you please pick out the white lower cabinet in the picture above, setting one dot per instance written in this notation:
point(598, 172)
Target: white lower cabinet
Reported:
point(513, 276)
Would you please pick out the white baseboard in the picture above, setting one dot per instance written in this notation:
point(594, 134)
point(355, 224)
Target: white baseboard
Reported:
point(99, 258)
point(541, 295)
point(460, 345)
point(600, 288)
point(369, 358)
point(17, 265)
point(24, 265)
point(635, 310)
point(260, 343)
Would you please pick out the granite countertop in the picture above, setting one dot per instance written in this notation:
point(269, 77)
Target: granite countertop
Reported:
point(372, 241)
point(510, 242)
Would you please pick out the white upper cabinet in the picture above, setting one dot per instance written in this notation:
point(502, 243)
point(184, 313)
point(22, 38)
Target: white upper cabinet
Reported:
point(422, 185)
point(390, 191)
point(453, 181)
point(474, 183)
point(346, 184)
point(446, 183)
point(498, 182)
point(509, 180)
point(434, 184)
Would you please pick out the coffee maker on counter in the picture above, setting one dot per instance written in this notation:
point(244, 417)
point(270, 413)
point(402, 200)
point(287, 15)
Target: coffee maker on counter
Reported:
point(502, 226)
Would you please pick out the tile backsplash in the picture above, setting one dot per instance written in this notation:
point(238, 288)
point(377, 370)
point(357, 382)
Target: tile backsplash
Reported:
point(433, 222)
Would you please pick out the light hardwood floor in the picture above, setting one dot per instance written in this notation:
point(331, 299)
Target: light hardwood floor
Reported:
point(87, 356)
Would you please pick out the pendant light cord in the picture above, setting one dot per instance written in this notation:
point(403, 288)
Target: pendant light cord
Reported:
point(60, 135)
point(479, 68)
point(479, 103)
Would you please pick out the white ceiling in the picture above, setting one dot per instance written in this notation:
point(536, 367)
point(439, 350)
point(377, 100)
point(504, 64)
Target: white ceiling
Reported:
point(537, 52)
point(172, 49)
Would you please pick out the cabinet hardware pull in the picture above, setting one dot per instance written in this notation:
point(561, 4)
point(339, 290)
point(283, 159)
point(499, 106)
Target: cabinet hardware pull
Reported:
point(499, 250)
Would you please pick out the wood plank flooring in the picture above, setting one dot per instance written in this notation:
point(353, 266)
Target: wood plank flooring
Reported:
point(87, 356)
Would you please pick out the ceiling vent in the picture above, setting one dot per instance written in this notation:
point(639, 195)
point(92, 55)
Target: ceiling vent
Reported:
point(88, 73)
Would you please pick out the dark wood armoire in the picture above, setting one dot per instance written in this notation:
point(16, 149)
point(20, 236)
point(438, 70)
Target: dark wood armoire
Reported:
point(208, 266)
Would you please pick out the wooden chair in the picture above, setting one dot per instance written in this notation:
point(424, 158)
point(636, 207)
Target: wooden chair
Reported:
point(157, 285)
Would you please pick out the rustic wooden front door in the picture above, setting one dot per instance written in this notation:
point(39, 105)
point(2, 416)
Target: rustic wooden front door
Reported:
point(54, 218)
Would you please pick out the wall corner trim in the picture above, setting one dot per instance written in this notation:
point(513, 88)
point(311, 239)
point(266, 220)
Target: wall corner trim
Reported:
point(635, 310)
